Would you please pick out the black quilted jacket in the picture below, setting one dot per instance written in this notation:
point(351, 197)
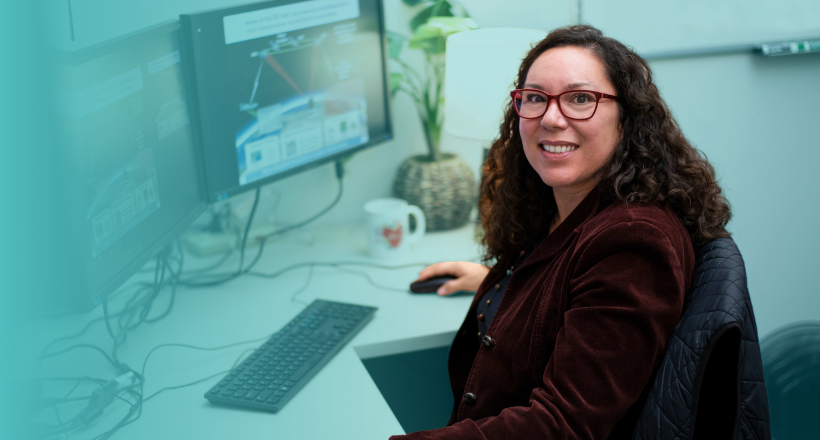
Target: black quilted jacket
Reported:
point(710, 383)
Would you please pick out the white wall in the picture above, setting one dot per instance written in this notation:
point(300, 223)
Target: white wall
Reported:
point(100, 20)
point(753, 118)
point(663, 25)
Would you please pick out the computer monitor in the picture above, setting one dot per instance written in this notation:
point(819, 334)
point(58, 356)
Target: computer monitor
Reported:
point(133, 174)
point(281, 86)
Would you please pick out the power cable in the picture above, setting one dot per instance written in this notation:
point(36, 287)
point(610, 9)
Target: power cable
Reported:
point(223, 278)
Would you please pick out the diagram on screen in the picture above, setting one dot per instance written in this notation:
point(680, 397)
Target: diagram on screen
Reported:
point(318, 107)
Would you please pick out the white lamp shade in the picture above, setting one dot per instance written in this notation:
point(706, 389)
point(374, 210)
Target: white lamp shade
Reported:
point(482, 66)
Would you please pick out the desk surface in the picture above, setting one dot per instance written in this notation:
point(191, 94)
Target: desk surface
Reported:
point(341, 401)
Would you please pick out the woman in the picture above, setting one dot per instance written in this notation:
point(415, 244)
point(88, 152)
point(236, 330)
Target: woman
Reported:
point(592, 204)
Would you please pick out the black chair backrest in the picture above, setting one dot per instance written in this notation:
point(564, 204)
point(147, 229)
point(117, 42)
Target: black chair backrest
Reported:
point(710, 382)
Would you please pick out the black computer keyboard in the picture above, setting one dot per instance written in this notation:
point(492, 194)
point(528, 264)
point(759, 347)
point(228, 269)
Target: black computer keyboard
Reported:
point(279, 368)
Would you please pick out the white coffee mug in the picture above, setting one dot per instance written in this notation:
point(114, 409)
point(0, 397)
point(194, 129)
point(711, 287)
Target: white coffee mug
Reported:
point(388, 226)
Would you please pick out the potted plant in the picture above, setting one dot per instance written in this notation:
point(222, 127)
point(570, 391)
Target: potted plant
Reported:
point(441, 184)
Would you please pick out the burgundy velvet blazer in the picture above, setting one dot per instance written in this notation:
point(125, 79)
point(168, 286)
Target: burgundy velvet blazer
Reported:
point(579, 333)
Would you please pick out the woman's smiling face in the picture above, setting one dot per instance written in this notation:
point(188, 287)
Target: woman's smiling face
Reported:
point(567, 153)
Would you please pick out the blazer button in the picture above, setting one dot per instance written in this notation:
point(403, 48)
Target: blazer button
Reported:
point(468, 399)
point(488, 341)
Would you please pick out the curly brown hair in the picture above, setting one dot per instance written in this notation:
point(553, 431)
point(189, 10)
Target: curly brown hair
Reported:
point(652, 164)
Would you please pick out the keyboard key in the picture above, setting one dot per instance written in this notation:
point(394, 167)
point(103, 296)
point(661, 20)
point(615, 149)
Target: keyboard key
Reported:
point(305, 368)
point(263, 395)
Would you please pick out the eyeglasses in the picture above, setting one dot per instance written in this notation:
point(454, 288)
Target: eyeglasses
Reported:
point(578, 105)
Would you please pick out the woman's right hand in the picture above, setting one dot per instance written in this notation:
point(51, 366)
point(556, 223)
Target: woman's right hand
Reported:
point(468, 275)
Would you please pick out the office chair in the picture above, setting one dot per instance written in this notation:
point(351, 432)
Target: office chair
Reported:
point(710, 382)
point(791, 365)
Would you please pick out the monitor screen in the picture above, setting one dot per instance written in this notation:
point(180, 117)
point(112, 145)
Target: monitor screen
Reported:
point(133, 164)
point(282, 86)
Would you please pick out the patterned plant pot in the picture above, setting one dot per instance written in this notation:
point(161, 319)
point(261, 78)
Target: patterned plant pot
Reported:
point(445, 190)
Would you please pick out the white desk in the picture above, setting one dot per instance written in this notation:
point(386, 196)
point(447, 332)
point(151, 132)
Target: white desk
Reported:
point(341, 401)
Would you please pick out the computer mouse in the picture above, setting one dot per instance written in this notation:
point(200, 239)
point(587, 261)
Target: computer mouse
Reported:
point(430, 285)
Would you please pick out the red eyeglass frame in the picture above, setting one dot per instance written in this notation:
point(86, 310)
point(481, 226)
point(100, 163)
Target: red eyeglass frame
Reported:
point(598, 96)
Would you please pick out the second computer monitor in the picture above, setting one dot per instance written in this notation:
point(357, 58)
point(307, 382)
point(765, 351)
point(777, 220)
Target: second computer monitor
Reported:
point(283, 86)
point(132, 181)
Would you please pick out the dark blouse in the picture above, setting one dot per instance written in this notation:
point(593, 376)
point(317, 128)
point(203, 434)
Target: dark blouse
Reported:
point(492, 299)
point(578, 333)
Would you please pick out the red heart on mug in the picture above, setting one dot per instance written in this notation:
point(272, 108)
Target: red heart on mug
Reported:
point(393, 236)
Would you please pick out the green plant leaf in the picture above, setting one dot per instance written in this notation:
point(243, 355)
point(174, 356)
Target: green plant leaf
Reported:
point(431, 45)
point(451, 25)
point(431, 37)
point(395, 82)
point(445, 10)
point(395, 43)
point(412, 2)
point(443, 27)
point(458, 10)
